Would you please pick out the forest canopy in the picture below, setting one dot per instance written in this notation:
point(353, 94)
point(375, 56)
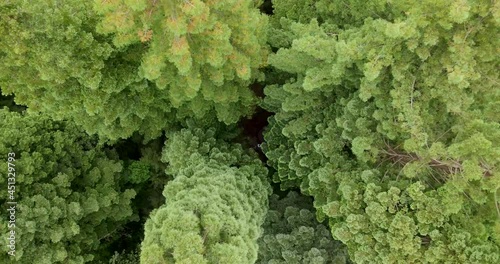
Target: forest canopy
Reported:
point(245, 131)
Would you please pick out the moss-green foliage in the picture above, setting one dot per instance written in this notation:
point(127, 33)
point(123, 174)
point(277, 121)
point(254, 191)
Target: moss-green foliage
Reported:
point(392, 124)
point(342, 13)
point(67, 191)
point(114, 87)
point(292, 234)
point(150, 196)
point(214, 206)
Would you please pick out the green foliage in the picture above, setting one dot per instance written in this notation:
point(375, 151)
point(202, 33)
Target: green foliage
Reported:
point(391, 122)
point(8, 101)
point(67, 190)
point(203, 53)
point(387, 113)
point(214, 206)
point(292, 234)
point(137, 172)
point(125, 258)
point(66, 67)
point(150, 195)
point(300, 11)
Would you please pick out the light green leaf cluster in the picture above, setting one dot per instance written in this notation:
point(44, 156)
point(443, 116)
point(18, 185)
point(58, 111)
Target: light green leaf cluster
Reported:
point(67, 70)
point(203, 53)
point(215, 205)
point(66, 188)
point(391, 123)
point(196, 65)
point(292, 234)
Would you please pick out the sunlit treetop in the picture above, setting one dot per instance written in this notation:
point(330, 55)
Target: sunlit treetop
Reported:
point(73, 61)
point(198, 50)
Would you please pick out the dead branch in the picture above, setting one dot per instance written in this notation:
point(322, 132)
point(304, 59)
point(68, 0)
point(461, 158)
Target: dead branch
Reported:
point(448, 167)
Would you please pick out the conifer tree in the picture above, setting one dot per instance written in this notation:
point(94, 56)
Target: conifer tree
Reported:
point(67, 70)
point(390, 121)
point(166, 61)
point(215, 205)
point(203, 53)
point(67, 191)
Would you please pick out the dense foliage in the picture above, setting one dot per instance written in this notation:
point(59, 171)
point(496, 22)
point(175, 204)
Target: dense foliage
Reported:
point(251, 131)
point(125, 258)
point(214, 49)
point(116, 85)
point(68, 192)
point(214, 206)
point(292, 234)
point(392, 125)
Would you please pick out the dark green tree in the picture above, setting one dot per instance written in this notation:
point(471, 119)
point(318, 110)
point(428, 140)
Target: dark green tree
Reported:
point(293, 235)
